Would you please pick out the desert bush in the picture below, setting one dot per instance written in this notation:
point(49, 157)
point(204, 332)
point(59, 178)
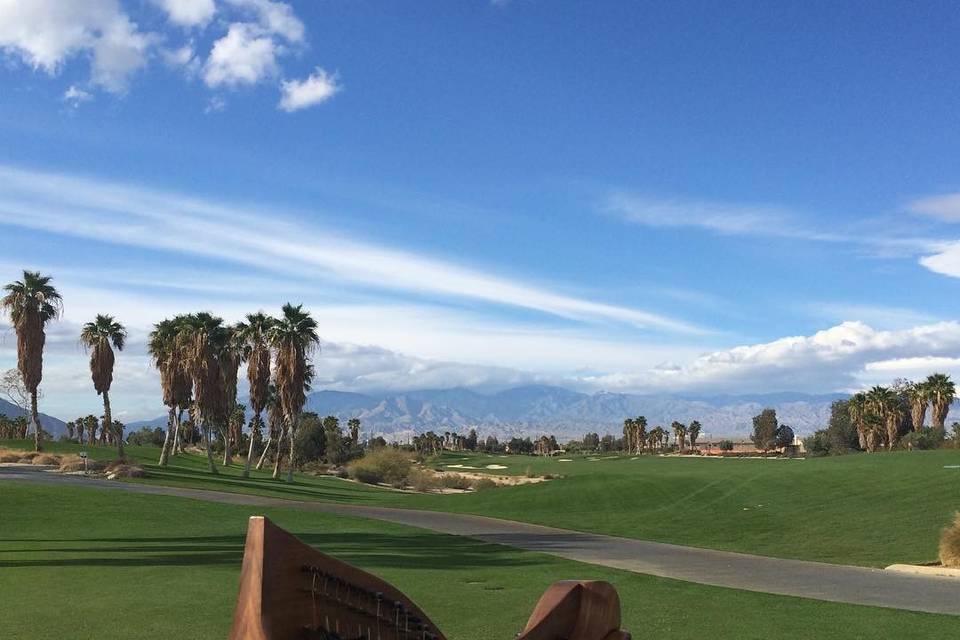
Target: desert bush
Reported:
point(9, 456)
point(381, 465)
point(28, 456)
point(455, 481)
point(45, 458)
point(950, 544)
point(75, 463)
point(482, 484)
point(126, 471)
point(423, 480)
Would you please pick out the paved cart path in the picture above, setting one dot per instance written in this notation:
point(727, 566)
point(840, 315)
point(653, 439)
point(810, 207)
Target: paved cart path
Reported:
point(835, 583)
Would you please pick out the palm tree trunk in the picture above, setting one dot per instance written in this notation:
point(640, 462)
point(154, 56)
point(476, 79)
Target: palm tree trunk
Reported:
point(177, 448)
point(227, 447)
point(35, 419)
point(208, 445)
point(108, 423)
point(276, 465)
point(290, 462)
point(263, 454)
point(253, 432)
point(167, 444)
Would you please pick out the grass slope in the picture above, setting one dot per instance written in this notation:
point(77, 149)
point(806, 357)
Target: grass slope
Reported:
point(83, 563)
point(871, 510)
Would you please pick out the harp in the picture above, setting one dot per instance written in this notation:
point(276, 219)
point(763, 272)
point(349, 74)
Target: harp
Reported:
point(291, 591)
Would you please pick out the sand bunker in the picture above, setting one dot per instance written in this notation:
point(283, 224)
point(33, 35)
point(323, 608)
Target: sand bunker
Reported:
point(461, 466)
point(564, 460)
point(496, 466)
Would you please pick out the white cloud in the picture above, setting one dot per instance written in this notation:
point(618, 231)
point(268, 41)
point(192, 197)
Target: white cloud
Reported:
point(243, 56)
point(943, 207)
point(274, 17)
point(216, 104)
point(141, 217)
point(316, 88)
point(184, 57)
point(76, 95)
point(724, 218)
point(945, 261)
point(826, 361)
point(765, 220)
point(915, 366)
point(118, 53)
point(188, 13)
point(44, 33)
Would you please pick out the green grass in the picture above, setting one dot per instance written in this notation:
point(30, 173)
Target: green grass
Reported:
point(85, 563)
point(870, 510)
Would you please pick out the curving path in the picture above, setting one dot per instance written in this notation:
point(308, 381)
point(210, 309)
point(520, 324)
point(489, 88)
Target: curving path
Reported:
point(820, 581)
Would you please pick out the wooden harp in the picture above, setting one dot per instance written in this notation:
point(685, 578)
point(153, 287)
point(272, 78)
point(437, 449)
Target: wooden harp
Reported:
point(291, 591)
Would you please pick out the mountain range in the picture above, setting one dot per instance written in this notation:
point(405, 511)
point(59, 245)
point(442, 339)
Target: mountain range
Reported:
point(536, 409)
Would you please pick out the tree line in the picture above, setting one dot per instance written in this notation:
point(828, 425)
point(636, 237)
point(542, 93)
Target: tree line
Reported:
point(887, 417)
point(198, 357)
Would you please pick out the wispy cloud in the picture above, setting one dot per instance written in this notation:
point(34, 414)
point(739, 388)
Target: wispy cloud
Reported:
point(744, 219)
point(944, 207)
point(148, 218)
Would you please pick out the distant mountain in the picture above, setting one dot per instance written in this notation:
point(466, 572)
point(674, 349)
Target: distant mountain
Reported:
point(534, 409)
point(51, 425)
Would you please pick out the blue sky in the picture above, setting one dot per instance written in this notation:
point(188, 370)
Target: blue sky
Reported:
point(650, 197)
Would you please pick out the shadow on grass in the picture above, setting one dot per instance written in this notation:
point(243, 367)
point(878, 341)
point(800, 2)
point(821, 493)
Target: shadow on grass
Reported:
point(372, 550)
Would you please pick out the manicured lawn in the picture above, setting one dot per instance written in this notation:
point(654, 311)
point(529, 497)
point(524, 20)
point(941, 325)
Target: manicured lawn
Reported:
point(84, 563)
point(870, 510)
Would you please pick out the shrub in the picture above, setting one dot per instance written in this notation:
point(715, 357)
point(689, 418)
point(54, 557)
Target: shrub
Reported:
point(926, 438)
point(482, 484)
point(423, 480)
point(455, 481)
point(950, 544)
point(381, 465)
point(45, 458)
point(818, 444)
point(9, 456)
point(726, 445)
point(28, 456)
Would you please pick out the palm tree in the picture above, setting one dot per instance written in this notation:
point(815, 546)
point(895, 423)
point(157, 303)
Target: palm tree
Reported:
point(694, 430)
point(640, 428)
point(202, 337)
point(294, 338)
point(628, 430)
point(885, 404)
point(680, 432)
point(858, 407)
point(91, 423)
point(166, 350)
point(942, 393)
point(31, 304)
point(232, 353)
point(100, 338)
point(918, 395)
point(253, 332)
